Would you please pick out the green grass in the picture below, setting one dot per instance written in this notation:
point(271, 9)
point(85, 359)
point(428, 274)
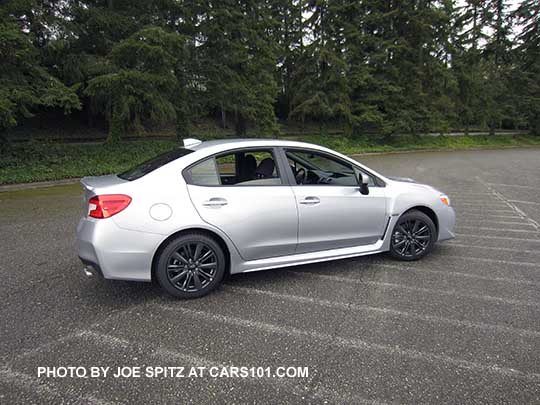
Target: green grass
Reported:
point(34, 161)
point(410, 143)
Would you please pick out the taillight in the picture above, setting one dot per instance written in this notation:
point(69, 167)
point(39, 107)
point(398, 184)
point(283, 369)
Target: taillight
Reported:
point(105, 206)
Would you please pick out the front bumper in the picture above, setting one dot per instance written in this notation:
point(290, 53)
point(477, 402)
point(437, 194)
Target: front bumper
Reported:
point(115, 253)
point(447, 222)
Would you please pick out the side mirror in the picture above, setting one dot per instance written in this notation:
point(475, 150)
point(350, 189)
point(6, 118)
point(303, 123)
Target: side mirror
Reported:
point(363, 180)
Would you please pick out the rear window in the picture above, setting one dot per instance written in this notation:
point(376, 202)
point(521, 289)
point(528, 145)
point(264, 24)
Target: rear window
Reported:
point(153, 164)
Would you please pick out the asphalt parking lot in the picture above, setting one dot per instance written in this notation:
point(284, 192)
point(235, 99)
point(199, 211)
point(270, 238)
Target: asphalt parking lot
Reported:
point(460, 326)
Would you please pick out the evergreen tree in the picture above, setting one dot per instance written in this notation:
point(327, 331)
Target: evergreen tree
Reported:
point(528, 70)
point(321, 88)
point(467, 65)
point(498, 62)
point(142, 85)
point(370, 66)
point(287, 36)
point(238, 63)
point(25, 84)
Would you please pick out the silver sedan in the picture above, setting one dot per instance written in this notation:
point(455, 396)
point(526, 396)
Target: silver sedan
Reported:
point(194, 214)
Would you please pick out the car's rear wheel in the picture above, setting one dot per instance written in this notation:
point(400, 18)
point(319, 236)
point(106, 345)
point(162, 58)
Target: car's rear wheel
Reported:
point(413, 236)
point(190, 266)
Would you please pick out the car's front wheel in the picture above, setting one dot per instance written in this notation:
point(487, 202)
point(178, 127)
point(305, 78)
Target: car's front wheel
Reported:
point(413, 236)
point(190, 265)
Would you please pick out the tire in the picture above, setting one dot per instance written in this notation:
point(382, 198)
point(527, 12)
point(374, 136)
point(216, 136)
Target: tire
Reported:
point(413, 236)
point(190, 266)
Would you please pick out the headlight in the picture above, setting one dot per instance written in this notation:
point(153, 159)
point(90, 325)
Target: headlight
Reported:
point(445, 199)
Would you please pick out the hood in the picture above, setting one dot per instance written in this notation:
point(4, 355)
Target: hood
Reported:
point(412, 181)
point(402, 179)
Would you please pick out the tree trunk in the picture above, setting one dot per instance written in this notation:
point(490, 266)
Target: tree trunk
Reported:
point(115, 129)
point(240, 126)
point(223, 117)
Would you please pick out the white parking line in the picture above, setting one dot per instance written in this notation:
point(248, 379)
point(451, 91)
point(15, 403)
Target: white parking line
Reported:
point(512, 185)
point(164, 354)
point(524, 202)
point(72, 336)
point(460, 193)
point(487, 260)
point(489, 216)
point(498, 229)
point(387, 311)
point(483, 211)
point(351, 343)
point(498, 237)
point(446, 272)
point(44, 388)
point(417, 289)
point(510, 204)
point(477, 204)
point(498, 222)
point(47, 345)
point(504, 249)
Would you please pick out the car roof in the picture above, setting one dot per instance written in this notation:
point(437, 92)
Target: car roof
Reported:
point(247, 142)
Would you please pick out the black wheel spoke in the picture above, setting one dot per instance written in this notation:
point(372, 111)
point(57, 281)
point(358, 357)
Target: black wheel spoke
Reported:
point(187, 250)
point(192, 266)
point(178, 276)
point(206, 256)
point(404, 249)
point(205, 275)
point(198, 250)
point(197, 281)
point(401, 242)
point(179, 257)
point(186, 281)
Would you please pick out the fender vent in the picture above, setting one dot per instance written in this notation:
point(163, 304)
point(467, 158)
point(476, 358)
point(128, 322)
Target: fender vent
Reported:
point(386, 228)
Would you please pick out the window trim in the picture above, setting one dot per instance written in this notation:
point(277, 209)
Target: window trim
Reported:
point(283, 176)
point(292, 180)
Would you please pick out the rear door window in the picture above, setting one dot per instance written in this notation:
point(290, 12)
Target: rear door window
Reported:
point(238, 168)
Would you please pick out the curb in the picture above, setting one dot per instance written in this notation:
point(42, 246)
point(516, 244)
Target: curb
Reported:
point(401, 152)
point(38, 184)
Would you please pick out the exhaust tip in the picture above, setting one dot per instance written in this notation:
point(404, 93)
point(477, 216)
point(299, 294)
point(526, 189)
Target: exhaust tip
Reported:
point(89, 271)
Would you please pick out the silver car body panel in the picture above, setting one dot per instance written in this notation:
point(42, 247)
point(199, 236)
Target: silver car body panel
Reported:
point(263, 226)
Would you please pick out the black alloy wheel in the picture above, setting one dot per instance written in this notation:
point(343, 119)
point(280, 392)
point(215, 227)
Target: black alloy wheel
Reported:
point(413, 236)
point(191, 266)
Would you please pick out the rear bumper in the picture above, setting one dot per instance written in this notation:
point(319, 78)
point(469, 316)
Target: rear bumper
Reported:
point(115, 253)
point(447, 222)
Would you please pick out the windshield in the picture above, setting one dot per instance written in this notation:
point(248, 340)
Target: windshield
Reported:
point(153, 164)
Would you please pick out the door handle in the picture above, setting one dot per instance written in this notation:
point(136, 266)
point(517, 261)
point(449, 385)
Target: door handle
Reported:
point(215, 202)
point(310, 201)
